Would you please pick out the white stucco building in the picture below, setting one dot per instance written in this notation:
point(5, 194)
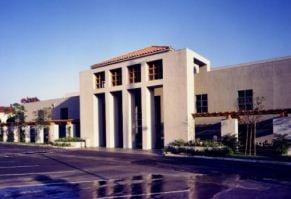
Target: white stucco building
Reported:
point(145, 98)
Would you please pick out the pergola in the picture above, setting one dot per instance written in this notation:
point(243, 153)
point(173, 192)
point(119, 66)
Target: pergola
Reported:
point(237, 114)
point(51, 126)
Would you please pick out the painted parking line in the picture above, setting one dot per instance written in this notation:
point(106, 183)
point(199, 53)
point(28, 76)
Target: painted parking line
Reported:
point(21, 166)
point(147, 194)
point(49, 184)
point(39, 173)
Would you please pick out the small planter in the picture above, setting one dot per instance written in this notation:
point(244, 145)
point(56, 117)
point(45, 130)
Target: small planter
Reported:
point(75, 145)
point(80, 144)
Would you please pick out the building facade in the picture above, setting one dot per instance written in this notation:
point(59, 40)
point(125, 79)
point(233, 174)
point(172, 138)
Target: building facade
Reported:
point(145, 98)
point(60, 108)
point(45, 121)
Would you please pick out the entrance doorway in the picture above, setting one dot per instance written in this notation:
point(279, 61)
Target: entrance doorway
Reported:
point(32, 135)
point(159, 142)
point(62, 130)
point(46, 135)
point(118, 119)
point(101, 119)
point(136, 118)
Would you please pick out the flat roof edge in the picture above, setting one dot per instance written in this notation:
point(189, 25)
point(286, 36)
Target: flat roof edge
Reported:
point(252, 63)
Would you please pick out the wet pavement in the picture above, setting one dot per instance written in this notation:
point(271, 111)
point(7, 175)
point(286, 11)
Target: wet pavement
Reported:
point(31, 172)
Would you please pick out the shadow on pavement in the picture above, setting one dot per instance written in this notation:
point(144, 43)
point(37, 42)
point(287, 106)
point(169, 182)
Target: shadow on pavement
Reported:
point(52, 187)
point(75, 167)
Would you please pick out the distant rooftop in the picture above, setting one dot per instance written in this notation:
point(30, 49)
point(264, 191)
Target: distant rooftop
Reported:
point(4, 109)
point(151, 50)
point(251, 63)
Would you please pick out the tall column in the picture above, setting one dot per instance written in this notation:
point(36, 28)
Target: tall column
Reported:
point(16, 133)
point(99, 114)
point(27, 134)
point(70, 129)
point(127, 119)
point(74, 130)
point(39, 134)
point(53, 131)
point(109, 120)
point(5, 133)
point(147, 118)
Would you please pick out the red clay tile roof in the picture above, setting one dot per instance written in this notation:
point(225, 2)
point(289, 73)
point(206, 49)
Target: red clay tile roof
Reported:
point(4, 109)
point(151, 50)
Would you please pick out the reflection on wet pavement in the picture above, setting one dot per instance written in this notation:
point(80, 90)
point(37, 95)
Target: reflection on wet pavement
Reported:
point(151, 186)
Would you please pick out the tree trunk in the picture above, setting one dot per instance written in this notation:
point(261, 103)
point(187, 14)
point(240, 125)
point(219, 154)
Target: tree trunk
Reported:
point(250, 139)
point(255, 135)
point(247, 135)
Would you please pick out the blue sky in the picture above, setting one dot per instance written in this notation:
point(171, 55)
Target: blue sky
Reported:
point(44, 44)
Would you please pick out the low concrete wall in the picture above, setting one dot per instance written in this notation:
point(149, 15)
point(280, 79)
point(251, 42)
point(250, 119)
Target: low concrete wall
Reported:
point(229, 127)
point(282, 126)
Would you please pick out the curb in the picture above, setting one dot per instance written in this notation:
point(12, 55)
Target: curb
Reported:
point(231, 159)
point(35, 145)
point(134, 151)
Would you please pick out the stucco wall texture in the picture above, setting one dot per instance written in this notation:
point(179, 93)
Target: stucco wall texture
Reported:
point(72, 103)
point(270, 79)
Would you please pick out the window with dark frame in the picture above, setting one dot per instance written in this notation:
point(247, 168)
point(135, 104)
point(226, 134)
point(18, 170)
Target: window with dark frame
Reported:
point(245, 99)
point(64, 113)
point(100, 80)
point(155, 70)
point(202, 103)
point(134, 73)
point(41, 115)
point(116, 77)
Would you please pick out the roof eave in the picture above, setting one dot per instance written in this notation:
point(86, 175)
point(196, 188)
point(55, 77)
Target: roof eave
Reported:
point(128, 59)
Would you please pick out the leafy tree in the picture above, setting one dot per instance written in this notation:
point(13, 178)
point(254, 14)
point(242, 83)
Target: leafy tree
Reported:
point(29, 100)
point(17, 118)
point(42, 117)
point(18, 113)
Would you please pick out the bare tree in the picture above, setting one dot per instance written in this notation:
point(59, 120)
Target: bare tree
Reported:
point(250, 118)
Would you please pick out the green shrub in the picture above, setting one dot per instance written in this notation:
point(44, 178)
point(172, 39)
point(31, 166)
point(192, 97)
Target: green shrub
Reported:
point(207, 151)
point(61, 144)
point(280, 145)
point(221, 151)
point(179, 142)
point(230, 141)
point(208, 143)
point(70, 139)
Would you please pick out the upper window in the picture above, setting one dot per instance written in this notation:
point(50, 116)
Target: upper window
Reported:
point(155, 70)
point(116, 77)
point(134, 73)
point(64, 113)
point(100, 80)
point(245, 99)
point(41, 115)
point(202, 103)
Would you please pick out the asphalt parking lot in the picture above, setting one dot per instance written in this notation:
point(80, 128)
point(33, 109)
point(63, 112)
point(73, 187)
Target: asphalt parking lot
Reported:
point(40, 172)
